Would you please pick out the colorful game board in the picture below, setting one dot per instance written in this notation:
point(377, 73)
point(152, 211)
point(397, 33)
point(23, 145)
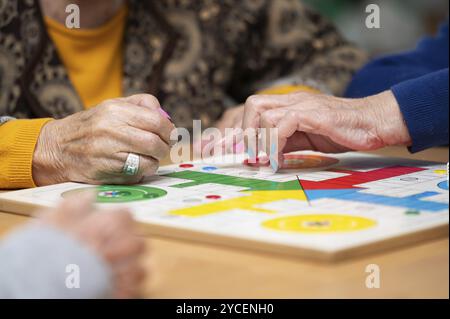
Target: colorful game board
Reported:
point(318, 206)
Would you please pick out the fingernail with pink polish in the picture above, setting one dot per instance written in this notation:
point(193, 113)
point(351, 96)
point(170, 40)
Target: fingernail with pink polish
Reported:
point(165, 114)
point(239, 148)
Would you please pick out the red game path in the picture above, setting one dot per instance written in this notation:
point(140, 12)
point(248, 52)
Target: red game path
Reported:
point(356, 178)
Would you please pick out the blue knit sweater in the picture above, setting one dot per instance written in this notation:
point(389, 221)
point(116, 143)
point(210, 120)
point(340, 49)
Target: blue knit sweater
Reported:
point(419, 81)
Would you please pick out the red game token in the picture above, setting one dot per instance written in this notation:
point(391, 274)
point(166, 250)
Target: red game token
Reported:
point(213, 197)
point(259, 162)
point(186, 165)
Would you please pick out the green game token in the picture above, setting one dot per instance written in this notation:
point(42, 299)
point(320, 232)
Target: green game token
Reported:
point(125, 194)
point(122, 194)
point(412, 212)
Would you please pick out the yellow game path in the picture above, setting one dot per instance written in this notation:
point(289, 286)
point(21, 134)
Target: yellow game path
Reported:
point(441, 171)
point(248, 202)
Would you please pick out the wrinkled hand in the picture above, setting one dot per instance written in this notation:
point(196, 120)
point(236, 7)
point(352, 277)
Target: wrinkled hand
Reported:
point(108, 233)
point(328, 124)
point(92, 146)
point(231, 118)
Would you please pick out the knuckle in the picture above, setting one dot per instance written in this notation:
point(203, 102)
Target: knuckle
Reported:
point(149, 118)
point(101, 127)
point(151, 99)
point(122, 130)
point(133, 117)
point(158, 125)
point(146, 100)
point(151, 167)
point(152, 142)
point(252, 102)
point(115, 166)
point(161, 129)
point(292, 114)
point(266, 116)
point(317, 120)
point(108, 106)
point(160, 150)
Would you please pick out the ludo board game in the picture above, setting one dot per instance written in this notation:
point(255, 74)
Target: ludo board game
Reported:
point(317, 206)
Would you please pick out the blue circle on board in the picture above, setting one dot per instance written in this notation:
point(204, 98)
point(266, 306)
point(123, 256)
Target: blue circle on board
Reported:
point(209, 168)
point(443, 185)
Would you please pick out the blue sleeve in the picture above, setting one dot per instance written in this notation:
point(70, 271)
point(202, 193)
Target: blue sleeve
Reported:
point(424, 104)
point(430, 55)
point(419, 81)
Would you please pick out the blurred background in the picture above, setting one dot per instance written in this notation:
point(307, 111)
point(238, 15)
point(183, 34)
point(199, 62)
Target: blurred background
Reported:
point(403, 22)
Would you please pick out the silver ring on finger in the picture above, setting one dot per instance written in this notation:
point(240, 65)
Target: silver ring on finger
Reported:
point(131, 166)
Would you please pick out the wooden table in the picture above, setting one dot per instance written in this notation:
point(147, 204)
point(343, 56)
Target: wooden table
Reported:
point(181, 269)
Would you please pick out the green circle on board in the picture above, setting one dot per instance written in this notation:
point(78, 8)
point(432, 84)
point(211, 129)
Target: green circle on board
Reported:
point(121, 194)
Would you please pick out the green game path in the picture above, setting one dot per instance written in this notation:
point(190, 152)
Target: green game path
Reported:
point(200, 178)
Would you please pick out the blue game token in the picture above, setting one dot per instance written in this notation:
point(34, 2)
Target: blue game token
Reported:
point(209, 168)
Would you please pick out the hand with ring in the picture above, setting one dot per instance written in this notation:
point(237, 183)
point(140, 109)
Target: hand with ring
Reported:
point(120, 141)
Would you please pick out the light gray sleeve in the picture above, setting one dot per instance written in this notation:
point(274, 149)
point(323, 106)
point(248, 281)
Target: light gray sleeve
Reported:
point(40, 261)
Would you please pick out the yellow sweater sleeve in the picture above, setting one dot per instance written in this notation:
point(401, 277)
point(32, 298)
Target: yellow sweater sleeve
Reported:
point(17, 142)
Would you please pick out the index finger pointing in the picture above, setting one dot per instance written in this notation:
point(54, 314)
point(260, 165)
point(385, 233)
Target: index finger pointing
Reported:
point(255, 106)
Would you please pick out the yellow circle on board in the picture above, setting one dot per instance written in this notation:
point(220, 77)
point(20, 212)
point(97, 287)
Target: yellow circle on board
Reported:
point(441, 171)
point(326, 223)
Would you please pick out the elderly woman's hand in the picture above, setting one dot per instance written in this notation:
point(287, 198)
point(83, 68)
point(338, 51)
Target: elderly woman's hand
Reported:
point(231, 118)
point(328, 124)
point(92, 146)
